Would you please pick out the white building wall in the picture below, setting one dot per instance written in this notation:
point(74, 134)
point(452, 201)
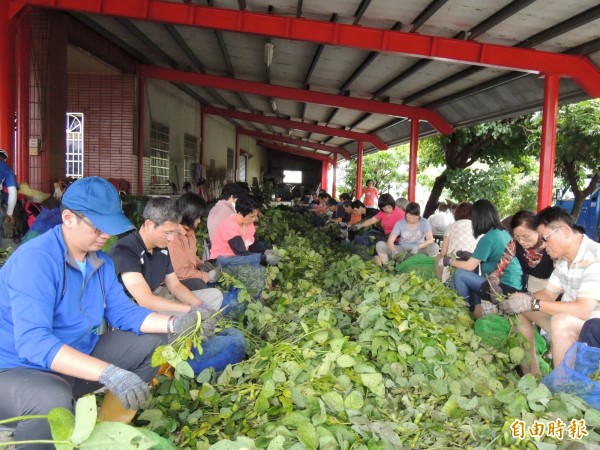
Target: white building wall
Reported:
point(170, 106)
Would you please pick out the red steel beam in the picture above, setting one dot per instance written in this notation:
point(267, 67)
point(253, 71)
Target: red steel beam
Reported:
point(275, 121)
point(576, 67)
point(292, 151)
point(292, 141)
point(300, 95)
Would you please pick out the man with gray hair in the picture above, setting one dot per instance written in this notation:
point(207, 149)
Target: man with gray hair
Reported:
point(143, 264)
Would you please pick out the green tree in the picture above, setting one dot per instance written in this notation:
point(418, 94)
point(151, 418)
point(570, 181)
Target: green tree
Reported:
point(504, 184)
point(490, 143)
point(388, 170)
point(577, 148)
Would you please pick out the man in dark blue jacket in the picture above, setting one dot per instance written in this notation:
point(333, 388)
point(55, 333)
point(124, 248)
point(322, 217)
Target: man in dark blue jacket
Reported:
point(57, 293)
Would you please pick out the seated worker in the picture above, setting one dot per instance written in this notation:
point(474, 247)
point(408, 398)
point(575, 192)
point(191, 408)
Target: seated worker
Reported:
point(387, 215)
point(576, 276)
point(365, 214)
point(590, 333)
point(143, 264)
point(224, 208)
point(338, 212)
point(526, 246)
point(486, 256)
point(414, 233)
point(57, 293)
point(183, 248)
point(8, 181)
point(232, 241)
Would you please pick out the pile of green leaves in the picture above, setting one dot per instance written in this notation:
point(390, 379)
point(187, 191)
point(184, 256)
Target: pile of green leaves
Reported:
point(344, 354)
point(5, 252)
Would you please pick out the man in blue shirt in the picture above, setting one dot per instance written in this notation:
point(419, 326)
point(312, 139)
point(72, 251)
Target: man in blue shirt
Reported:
point(57, 293)
point(8, 180)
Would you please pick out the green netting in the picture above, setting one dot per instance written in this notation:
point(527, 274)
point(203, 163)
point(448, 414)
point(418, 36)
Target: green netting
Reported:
point(422, 265)
point(494, 330)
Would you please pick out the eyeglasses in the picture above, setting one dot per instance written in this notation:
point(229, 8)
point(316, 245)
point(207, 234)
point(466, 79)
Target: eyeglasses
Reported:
point(168, 234)
point(87, 221)
point(545, 237)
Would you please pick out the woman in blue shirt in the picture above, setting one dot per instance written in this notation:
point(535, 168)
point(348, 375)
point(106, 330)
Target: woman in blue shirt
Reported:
point(470, 274)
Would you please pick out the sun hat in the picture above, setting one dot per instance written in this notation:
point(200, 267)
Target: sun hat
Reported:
point(99, 201)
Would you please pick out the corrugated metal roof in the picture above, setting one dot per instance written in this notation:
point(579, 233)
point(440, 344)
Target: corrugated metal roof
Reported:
point(461, 98)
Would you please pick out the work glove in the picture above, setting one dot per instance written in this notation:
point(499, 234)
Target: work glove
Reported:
point(356, 227)
point(272, 258)
point(446, 261)
point(516, 303)
point(188, 321)
point(414, 250)
point(463, 255)
point(215, 274)
point(130, 389)
point(496, 293)
point(206, 267)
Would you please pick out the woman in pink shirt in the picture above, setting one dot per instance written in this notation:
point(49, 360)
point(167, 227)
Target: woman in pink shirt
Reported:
point(370, 194)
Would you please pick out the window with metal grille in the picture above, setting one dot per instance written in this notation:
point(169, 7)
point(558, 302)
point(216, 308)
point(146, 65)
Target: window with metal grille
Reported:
point(242, 165)
point(190, 154)
point(74, 151)
point(230, 165)
point(159, 155)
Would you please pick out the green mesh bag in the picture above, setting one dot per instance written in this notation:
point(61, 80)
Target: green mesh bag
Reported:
point(422, 265)
point(493, 331)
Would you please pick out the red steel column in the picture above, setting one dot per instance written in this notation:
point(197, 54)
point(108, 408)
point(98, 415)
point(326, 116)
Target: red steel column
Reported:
point(23, 73)
point(7, 88)
point(141, 127)
point(545, 190)
point(334, 186)
point(324, 168)
point(359, 167)
point(412, 165)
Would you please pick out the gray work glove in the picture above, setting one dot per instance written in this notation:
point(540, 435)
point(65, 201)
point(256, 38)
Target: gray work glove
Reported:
point(516, 303)
point(184, 323)
point(205, 267)
point(272, 258)
point(215, 274)
point(130, 389)
point(414, 250)
point(496, 293)
point(463, 255)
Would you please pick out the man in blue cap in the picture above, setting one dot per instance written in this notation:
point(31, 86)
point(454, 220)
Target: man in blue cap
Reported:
point(57, 293)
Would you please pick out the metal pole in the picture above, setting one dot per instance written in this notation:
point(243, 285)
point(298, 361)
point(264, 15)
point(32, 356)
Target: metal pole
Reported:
point(334, 186)
point(7, 88)
point(545, 191)
point(412, 165)
point(359, 167)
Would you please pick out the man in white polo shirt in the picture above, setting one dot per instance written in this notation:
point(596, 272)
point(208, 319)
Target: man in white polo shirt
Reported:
point(576, 276)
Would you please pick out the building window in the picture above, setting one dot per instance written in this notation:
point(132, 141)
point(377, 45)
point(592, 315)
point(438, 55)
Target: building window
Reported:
point(190, 154)
point(292, 176)
point(74, 152)
point(230, 165)
point(242, 165)
point(159, 155)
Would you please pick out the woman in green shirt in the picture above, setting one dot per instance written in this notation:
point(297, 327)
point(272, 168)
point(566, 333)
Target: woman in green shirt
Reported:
point(470, 274)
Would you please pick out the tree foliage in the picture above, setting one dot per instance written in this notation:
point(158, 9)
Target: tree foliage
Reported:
point(490, 143)
point(388, 170)
point(577, 148)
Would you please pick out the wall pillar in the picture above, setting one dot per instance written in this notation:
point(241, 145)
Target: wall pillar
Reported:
point(141, 130)
point(334, 186)
point(7, 81)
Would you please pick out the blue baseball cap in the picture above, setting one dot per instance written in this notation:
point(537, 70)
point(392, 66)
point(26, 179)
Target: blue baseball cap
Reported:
point(99, 201)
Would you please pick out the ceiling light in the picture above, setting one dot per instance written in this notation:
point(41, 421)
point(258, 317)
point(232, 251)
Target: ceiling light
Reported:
point(273, 105)
point(268, 54)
